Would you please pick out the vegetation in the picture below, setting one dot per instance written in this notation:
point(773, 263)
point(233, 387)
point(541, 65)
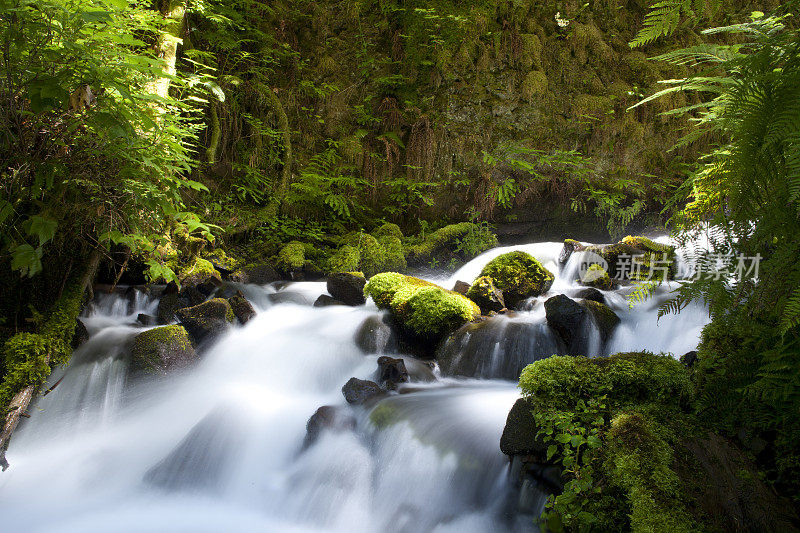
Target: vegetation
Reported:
point(519, 275)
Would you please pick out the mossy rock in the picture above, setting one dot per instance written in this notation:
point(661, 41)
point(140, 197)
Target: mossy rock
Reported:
point(223, 262)
point(519, 275)
point(488, 297)
point(425, 311)
point(242, 308)
point(291, 259)
point(347, 287)
point(394, 259)
point(199, 272)
point(626, 378)
point(388, 230)
point(161, 350)
point(597, 277)
point(207, 320)
point(605, 318)
point(346, 259)
point(441, 244)
point(256, 273)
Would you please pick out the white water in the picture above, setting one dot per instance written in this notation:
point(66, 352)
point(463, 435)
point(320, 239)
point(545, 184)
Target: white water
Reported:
point(220, 447)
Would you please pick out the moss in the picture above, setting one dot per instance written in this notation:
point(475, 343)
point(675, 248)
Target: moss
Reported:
point(626, 378)
point(371, 254)
point(394, 258)
point(483, 292)
point(426, 310)
point(593, 107)
point(647, 245)
point(148, 345)
point(292, 257)
point(384, 415)
point(219, 257)
point(531, 55)
point(596, 276)
point(519, 275)
point(388, 230)
point(345, 259)
point(28, 357)
point(200, 271)
point(640, 461)
point(438, 240)
point(534, 84)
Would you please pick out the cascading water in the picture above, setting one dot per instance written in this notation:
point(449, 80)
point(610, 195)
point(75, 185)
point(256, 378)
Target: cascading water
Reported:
point(222, 446)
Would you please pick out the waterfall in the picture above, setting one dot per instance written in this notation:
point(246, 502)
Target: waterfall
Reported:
point(222, 446)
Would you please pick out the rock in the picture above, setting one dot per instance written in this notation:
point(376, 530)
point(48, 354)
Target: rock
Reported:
point(325, 301)
point(292, 259)
point(519, 433)
point(199, 272)
point(570, 245)
point(328, 418)
point(357, 391)
point(519, 275)
point(80, 335)
point(146, 320)
point(426, 313)
point(461, 287)
point(604, 317)
point(391, 371)
point(565, 316)
point(242, 309)
point(168, 305)
point(488, 297)
point(258, 274)
point(441, 244)
point(207, 288)
point(375, 335)
point(192, 295)
point(591, 293)
point(207, 320)
point(289, 297)
point(161, 350)
point(689, 358)
point(347, 287)
point(596, 276)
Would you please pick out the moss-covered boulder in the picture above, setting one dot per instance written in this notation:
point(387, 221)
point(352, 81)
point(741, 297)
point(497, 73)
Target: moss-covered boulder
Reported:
point(292, 260)
point(519, 275)
point(388, 230)
point(242, 308)
point(597, 277)
point(604, 317)
point(208, 320)
point(345, 259)
point(347, 287)
point(633, 257)
point(256, 273)
point(488, 297)
point(199, 272)
point(368, 254)
point(170, 302)
point(223, 262)
point(394, 259)
point(425, 312)
point(441, 245)
point(161, 350)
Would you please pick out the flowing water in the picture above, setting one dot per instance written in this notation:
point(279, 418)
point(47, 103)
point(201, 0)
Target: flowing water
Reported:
point(222, 446)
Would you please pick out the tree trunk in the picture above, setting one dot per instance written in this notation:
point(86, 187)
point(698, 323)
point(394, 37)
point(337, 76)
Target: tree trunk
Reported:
point(166, 46)
point(286, 174)
point(216, 133)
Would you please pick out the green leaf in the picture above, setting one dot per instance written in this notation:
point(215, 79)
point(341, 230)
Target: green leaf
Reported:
point(551, 451)
point(26, 259)
point(41, 227)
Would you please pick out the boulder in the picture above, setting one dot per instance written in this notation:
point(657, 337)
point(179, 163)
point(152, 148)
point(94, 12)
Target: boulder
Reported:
point(208, 320)
point(461, 287)
point(375, 335)
point(488, 297)
point(168, 305)
point(200, 271)
point(242, 309)
point(347, 287)
point(80, 335)
point(519, 433)
point(357, 391)
point(603, 316)
point(192, 294)
point(258, 274)
point(146, 320)
point(326, 301)
point(161, 350)
point(391, 371)
point(590, 293)
point(570, 245)
point(565, 316)
point(328, 418)
point(597, 277)
point(519, 275)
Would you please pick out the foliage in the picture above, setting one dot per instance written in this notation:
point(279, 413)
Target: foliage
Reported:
point(519, 275)
point(666, 16)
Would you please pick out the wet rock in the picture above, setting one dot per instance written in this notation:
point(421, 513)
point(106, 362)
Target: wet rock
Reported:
point(565, 316)
point(242, 309)
point(519, 433)
point(357, 391)
point(193, 295)
point(146, 320)
point(689, 358)
point(326, 301)
point(604, 317)
point(259, 274)
point(208, 320)
point(207, 288)
point(161, 350)
point(347, 287)
point(590, 293)
point(461, 287)
point(375, 335)
point(391, 371)
point(488, 297)
point(328, 418)
point(168, 305)
point(80, 336)
point(570, 245)
point(519, 275)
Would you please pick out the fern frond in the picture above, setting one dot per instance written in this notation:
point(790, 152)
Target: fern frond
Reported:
point(791, 313)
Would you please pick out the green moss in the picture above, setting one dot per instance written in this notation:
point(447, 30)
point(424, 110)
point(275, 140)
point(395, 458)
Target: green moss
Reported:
point(384, 415)
point(345, 259)
point(146, 345)
point(626, 378)
point(219, 257)
point(440, 239)
point(534, 84)
point(596, 276)
point(388, 230)
point(292, 256)
point(519, 275)
point(394, 258)
point(645, 244)
point(200, 271)
point(426, 310)
point(482, 292)
point(531, 55)
point(593, 107)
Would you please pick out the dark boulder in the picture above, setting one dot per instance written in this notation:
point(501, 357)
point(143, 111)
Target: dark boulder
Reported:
point(570, 245)
point(565, 316)
point(328, 418)
point(259, 274)
point(590, 293)
point(326, 301)
point(169, 304)
point(519, 433)
point(242, 309)
point(80, 336)
point(192, 294)
point(347, 287)
point(357, 391)
point(461, 287)
point(146, 320)
point(605, 319)
point(161, 350)
point(488, 297)
point(207, 320)
point(391, 371)
point(375, 335)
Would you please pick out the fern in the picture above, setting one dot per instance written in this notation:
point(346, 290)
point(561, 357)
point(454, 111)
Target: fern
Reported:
point(791, 313)
point(666, 16)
